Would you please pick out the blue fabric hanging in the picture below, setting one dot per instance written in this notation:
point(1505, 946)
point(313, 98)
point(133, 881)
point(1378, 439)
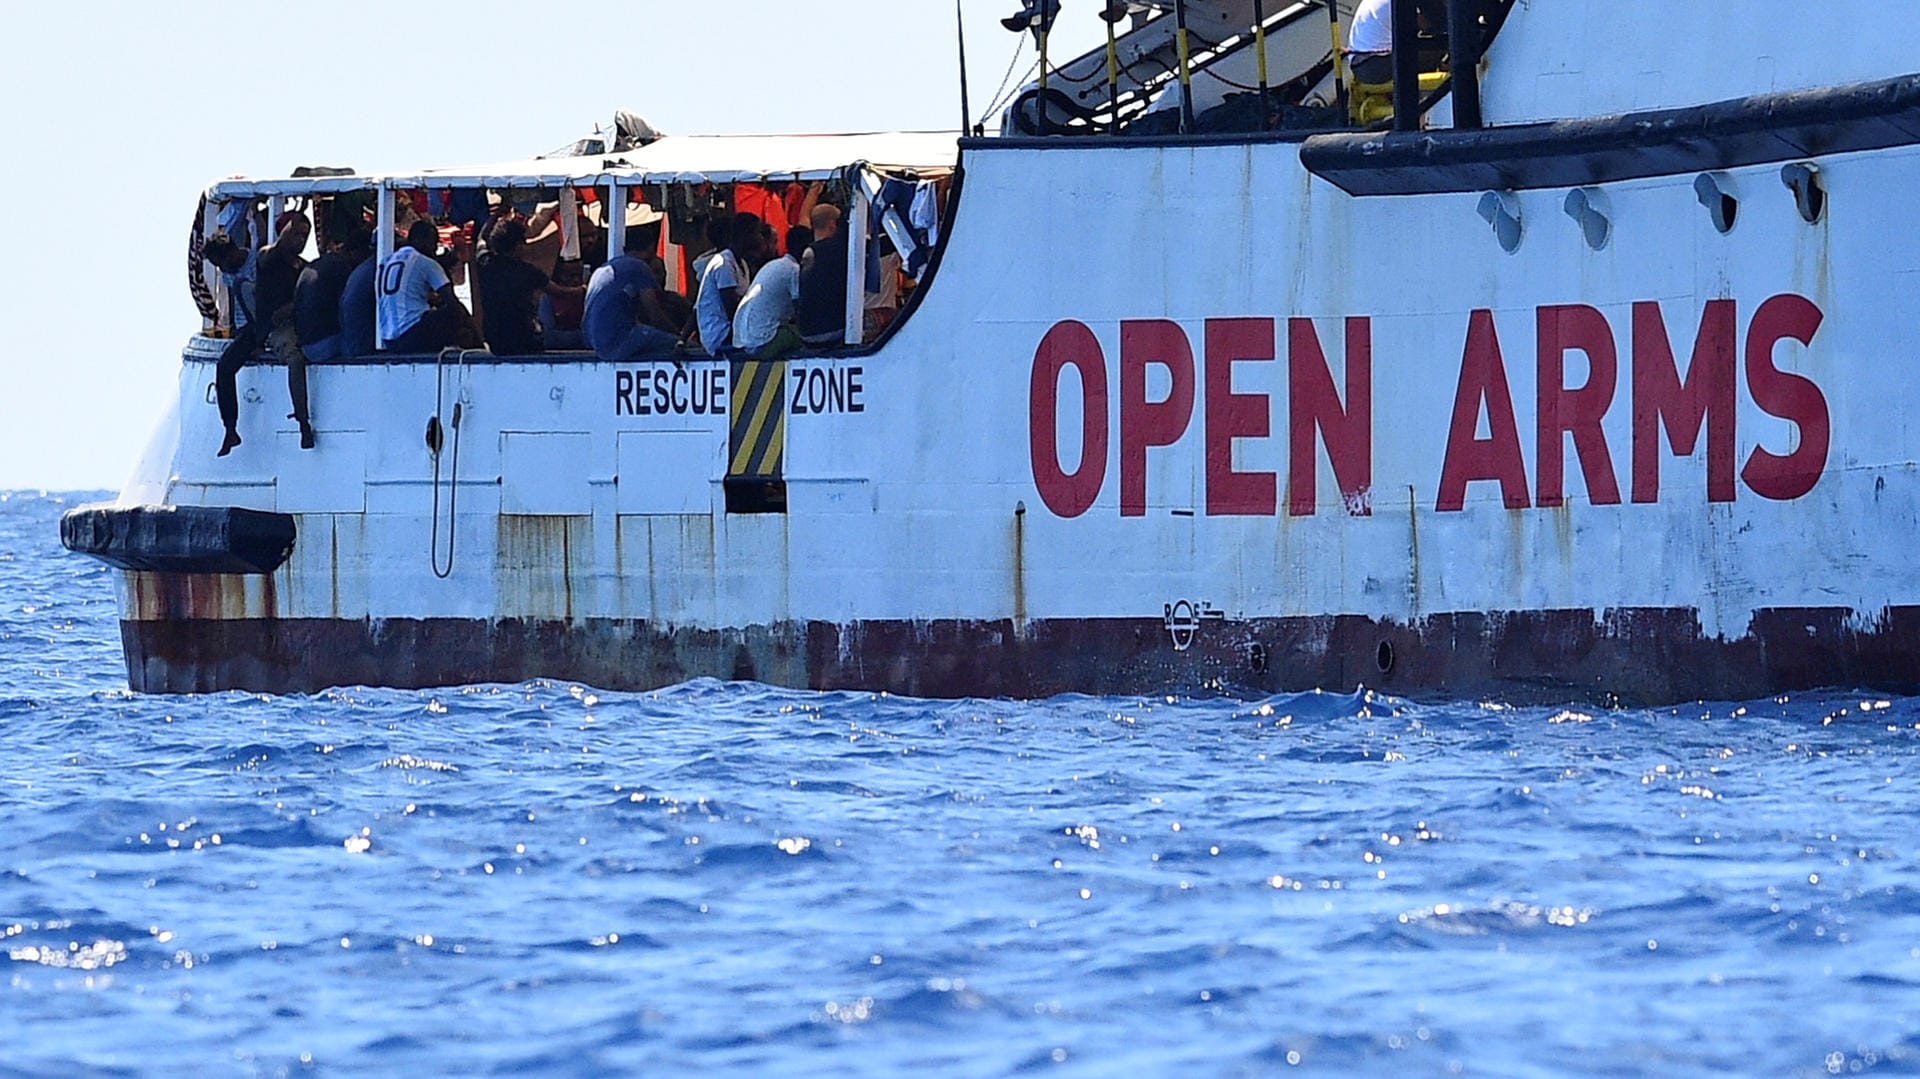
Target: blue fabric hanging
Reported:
point(468, 206)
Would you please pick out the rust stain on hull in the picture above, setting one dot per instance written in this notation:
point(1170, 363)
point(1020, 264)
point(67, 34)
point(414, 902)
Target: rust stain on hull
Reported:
point(534, 570)
point(201, 596)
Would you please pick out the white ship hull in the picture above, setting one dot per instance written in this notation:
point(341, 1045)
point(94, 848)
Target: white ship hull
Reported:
point(1167, 416)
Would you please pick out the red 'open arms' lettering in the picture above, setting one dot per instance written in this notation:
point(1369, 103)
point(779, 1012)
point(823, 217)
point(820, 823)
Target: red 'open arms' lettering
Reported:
point(1705, 398)
point(1483, 379)
point(1068, 344)
point(1143, 423)
point(1231, 416)
point(1314, 405)
point(1564, 411)
point(1791, 397)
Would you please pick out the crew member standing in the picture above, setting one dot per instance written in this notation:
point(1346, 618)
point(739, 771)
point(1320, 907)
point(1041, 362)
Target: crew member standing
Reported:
point(1370, 42)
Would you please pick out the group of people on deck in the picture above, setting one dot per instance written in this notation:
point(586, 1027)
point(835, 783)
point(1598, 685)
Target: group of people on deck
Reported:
point(302, 311)
point(753, 299)
point(755, 292)
point(758, 291)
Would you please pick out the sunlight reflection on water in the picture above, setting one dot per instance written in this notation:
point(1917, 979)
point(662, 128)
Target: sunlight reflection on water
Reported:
point(735, 879)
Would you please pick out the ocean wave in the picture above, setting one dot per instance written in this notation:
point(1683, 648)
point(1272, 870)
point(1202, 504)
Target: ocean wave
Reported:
point(736, 878)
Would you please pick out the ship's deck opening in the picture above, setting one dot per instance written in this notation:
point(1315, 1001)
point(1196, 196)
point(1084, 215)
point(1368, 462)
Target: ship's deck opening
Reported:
point(822, 243)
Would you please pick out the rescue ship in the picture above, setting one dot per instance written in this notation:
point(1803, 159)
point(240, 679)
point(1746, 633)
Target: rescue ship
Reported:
point(1573, 366)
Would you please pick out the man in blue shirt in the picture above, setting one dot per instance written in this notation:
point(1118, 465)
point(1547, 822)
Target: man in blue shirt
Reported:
point(623, 303)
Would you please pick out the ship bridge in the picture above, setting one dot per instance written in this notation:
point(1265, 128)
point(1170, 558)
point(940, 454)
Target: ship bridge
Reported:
point(1211, 67)
point(1202, 67)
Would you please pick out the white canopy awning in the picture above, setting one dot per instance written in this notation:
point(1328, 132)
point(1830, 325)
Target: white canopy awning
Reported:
point(724, 159)
point(244, 186)
point(674, 159)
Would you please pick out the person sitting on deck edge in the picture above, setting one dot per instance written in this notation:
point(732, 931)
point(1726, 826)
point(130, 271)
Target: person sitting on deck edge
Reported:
point(316, 314)
point(236, 266)
point(266, 307)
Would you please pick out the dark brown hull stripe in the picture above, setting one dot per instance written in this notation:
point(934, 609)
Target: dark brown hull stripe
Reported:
point(1629, 657)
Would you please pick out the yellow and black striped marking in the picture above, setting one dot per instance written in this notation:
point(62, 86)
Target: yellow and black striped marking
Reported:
point(757, 445)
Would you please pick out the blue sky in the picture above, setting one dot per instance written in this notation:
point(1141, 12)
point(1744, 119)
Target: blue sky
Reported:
point(118, 114)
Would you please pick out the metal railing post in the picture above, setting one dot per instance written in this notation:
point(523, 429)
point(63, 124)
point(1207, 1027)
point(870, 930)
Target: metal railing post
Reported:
point(383, 245)
point(1186, 67)
point(1463, 43)
point(1406, 66)
point(1260, 43)
point(616, 221)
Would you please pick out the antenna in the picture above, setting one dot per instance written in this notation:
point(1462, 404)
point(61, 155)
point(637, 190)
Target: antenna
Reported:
point(966, 109)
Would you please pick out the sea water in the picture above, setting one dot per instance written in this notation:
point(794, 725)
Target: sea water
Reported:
point(734, 879)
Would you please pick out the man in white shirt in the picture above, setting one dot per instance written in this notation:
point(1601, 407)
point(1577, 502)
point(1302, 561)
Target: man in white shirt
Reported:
point(725, 281)
point(416, 304)
point(1370, 41)
point(718, 233)
point(1370, 36)
point(768, 306)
